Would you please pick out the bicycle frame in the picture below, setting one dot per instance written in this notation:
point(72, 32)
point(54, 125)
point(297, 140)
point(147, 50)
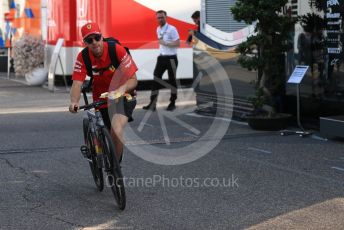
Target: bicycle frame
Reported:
point(103, 151)
point(96, 123)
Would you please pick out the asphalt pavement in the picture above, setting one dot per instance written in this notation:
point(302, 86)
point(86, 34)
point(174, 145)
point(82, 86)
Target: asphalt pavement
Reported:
point(245, 179)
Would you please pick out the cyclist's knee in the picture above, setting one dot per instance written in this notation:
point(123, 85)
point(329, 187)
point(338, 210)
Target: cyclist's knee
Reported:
point(118, 131)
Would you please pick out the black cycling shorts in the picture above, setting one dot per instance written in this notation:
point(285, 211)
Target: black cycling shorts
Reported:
point(123, 106)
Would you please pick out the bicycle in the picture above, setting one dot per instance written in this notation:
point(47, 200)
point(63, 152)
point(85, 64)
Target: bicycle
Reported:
point(100, 151)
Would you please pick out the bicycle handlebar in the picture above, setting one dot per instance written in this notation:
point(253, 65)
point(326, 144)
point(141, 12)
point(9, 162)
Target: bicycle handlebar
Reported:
point(91, 106)
point(99, 103)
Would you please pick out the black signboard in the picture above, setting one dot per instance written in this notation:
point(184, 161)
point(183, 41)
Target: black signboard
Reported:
point(334, 30)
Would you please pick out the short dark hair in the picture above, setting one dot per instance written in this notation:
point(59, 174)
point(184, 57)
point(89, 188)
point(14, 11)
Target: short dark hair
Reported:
point(161, 12)
point(196, 14)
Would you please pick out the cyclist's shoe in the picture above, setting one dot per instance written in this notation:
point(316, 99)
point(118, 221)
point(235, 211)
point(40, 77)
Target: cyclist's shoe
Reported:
point(85, 151)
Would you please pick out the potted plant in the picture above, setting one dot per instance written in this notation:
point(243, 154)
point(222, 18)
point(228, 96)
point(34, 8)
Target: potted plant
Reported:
point(265, 52)
point(28, 57)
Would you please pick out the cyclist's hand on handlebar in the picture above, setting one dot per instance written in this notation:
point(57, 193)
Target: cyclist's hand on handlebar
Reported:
point(73, 107)
point(120, 91)
point(115, 95)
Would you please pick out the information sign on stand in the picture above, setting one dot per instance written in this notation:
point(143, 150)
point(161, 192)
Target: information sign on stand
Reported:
point(296, 78)
point(298, 74)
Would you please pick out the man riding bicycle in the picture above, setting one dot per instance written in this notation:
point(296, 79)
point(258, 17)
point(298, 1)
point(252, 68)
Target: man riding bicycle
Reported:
point(117, 79)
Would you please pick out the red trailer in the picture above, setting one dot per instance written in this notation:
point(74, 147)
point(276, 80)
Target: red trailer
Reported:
point(132, 22)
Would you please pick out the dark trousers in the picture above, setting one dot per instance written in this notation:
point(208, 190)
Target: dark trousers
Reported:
point(169, 63)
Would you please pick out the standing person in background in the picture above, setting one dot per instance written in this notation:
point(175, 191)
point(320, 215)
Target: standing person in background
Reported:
point(196, 19)
point(167, 60)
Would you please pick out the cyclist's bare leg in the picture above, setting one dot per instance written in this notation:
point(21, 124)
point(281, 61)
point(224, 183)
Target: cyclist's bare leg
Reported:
point(118, 122)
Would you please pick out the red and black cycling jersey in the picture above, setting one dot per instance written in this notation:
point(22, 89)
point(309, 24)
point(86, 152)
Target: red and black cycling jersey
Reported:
point(109, 79)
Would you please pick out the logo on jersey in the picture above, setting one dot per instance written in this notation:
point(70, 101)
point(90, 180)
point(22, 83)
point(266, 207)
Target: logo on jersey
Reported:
point(112, 68)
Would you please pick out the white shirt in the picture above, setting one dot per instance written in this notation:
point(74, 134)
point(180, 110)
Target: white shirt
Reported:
point(168, 33)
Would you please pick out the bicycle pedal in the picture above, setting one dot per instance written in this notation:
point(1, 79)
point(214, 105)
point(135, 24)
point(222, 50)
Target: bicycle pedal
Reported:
point(85, 151)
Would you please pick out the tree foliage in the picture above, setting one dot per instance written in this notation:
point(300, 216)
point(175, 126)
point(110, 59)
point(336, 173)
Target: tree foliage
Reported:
point(263, 51)
point(312, 22)
point(320, 5)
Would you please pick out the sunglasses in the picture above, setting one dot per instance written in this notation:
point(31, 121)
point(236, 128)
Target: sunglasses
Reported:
point(89, 40)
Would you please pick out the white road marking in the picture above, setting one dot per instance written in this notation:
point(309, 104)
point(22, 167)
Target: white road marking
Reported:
point(316, 137)
point(259, 150)
point(35, 110)
point(190, 134)
point(218, 118)
point(337, 168)
point(59, 109)
point(326, 159)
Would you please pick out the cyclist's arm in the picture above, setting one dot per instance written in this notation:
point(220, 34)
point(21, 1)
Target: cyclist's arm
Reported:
point(78, 77)
point(131, 84)
point(125, 80)
point(127, 87)
point(75, 93)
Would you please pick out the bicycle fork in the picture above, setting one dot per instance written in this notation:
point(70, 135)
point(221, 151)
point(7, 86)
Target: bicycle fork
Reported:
point(99, 152)
point(97, 146)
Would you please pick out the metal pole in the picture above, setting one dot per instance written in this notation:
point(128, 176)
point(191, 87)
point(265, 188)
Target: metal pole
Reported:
point(301, 133)
point(8, 62)
point(63, 74)
point(298, 107)
point(9, 57)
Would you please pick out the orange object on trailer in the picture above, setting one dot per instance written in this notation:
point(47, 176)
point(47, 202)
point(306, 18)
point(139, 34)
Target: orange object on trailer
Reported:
point(25, 19)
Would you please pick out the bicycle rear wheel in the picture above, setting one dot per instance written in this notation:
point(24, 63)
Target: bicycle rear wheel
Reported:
point(97, 173)
point(115, 177)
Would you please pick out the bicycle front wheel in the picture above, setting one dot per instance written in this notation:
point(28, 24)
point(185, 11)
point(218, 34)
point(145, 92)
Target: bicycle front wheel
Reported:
point(97, 173)
point(115, 177)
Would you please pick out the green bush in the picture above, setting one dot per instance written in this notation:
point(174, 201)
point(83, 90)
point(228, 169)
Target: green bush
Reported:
point(268, 44)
